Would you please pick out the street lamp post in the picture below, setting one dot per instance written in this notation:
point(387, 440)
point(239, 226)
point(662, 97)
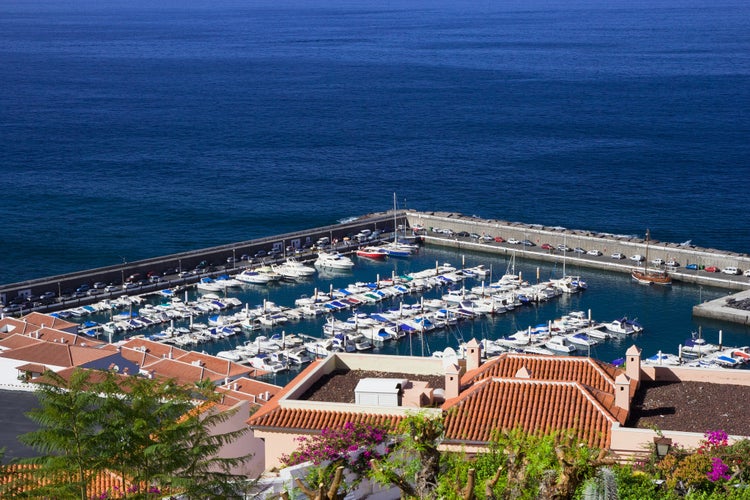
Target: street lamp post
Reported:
point(122, 271)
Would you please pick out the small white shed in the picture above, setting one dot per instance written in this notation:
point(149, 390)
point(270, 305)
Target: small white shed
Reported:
point(379, 391)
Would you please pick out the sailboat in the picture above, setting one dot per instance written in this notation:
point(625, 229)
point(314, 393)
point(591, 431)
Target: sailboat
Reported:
point(397, 248)
point(646, 276)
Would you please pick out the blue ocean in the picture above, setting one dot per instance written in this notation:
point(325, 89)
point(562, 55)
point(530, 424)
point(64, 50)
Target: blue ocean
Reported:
point(132, 129)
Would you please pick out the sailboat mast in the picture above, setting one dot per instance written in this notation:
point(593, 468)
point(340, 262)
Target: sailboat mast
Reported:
point(395, 225)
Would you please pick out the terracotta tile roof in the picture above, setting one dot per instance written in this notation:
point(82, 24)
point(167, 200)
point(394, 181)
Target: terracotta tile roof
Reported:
point(272, 416)
point(217, 365)
point(156, 349)
point(580, 369)
point(296, 420)
point(52, 335)
point(534, 405)
point(33, 322)
point(32, 367)
point(47, 320)
point(10, 326)
point(245, 389)
point(55, 354)
point(104, 481)
point(16, 341)
point(140, 357)
point(274, 404)
point(184, 373)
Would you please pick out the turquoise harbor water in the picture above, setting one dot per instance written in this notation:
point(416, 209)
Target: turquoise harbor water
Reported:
point(130, 130)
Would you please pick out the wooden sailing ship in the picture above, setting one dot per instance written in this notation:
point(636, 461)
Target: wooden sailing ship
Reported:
point(648, 276)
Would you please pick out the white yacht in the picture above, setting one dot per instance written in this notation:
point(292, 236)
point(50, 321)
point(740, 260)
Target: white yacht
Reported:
point(333, 261)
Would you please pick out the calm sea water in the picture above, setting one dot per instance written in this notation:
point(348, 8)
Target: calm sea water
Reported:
point(130, 130)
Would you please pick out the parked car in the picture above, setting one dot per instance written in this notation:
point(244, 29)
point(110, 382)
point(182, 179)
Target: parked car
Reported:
point(487, 238)
point(513, 241)
point(547, 246)
point(499, 239)
point(594, 252)
point(618, 255)
point(528, 243)
point(746, 273)
point(731, 270)
point(637, 257)
point(711, 269)
point(692, 267)
point(463, 234)
point(579, 250)
point(657, 261)
point(564, 248)
point(474, 236)
point(672, 263)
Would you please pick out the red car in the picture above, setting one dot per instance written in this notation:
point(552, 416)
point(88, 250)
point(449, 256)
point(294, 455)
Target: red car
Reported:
point(712, 269)
point(547, 246)
point(499, 239)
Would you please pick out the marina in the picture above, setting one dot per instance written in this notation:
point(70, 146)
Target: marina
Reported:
point(242, 321)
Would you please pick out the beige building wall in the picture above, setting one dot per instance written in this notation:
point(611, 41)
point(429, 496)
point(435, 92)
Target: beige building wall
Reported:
point(276, 445)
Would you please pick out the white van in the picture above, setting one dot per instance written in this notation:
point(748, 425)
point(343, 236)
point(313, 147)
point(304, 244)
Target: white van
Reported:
point(325, 240)
point(730, 270)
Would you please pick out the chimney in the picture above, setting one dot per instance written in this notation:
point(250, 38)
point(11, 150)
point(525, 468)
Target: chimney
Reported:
point(473, 354)
point(523, 372)
point(633, 364)
point(622, 392)
point(452, 381)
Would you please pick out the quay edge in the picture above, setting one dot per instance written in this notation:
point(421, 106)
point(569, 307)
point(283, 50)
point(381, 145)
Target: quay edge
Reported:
point(216, 258)
point(718, 309)
point(589, 240)
point(386, 222)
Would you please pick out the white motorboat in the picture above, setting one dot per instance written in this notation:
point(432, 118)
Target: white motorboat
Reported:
point(333, 261)
point(253, 277)
point(232, 355)
point(293, 270)
point(662, 359)
point(624, 326)
point(581, 339)
point(698, 346)
point(559, 345)
point(263, 361)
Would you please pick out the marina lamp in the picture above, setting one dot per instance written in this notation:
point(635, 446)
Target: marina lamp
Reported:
point(662, 444)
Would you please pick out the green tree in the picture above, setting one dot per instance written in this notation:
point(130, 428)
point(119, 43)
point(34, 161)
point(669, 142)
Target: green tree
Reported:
point(154, 434)
point(414, 463)
point(68, 437)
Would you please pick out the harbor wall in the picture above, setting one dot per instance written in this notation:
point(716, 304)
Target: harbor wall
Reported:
point(589, 240)
point(222, 259)
point(651, 373)
point(228, 258)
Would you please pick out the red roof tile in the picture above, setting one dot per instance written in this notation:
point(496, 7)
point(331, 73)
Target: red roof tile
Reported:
point(296, 420)
point(580, 369)
point(534, 405)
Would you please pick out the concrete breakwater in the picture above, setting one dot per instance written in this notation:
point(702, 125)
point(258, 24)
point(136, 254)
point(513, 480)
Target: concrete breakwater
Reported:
point(147, 275)
point(189, 267)
point(605, 243)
